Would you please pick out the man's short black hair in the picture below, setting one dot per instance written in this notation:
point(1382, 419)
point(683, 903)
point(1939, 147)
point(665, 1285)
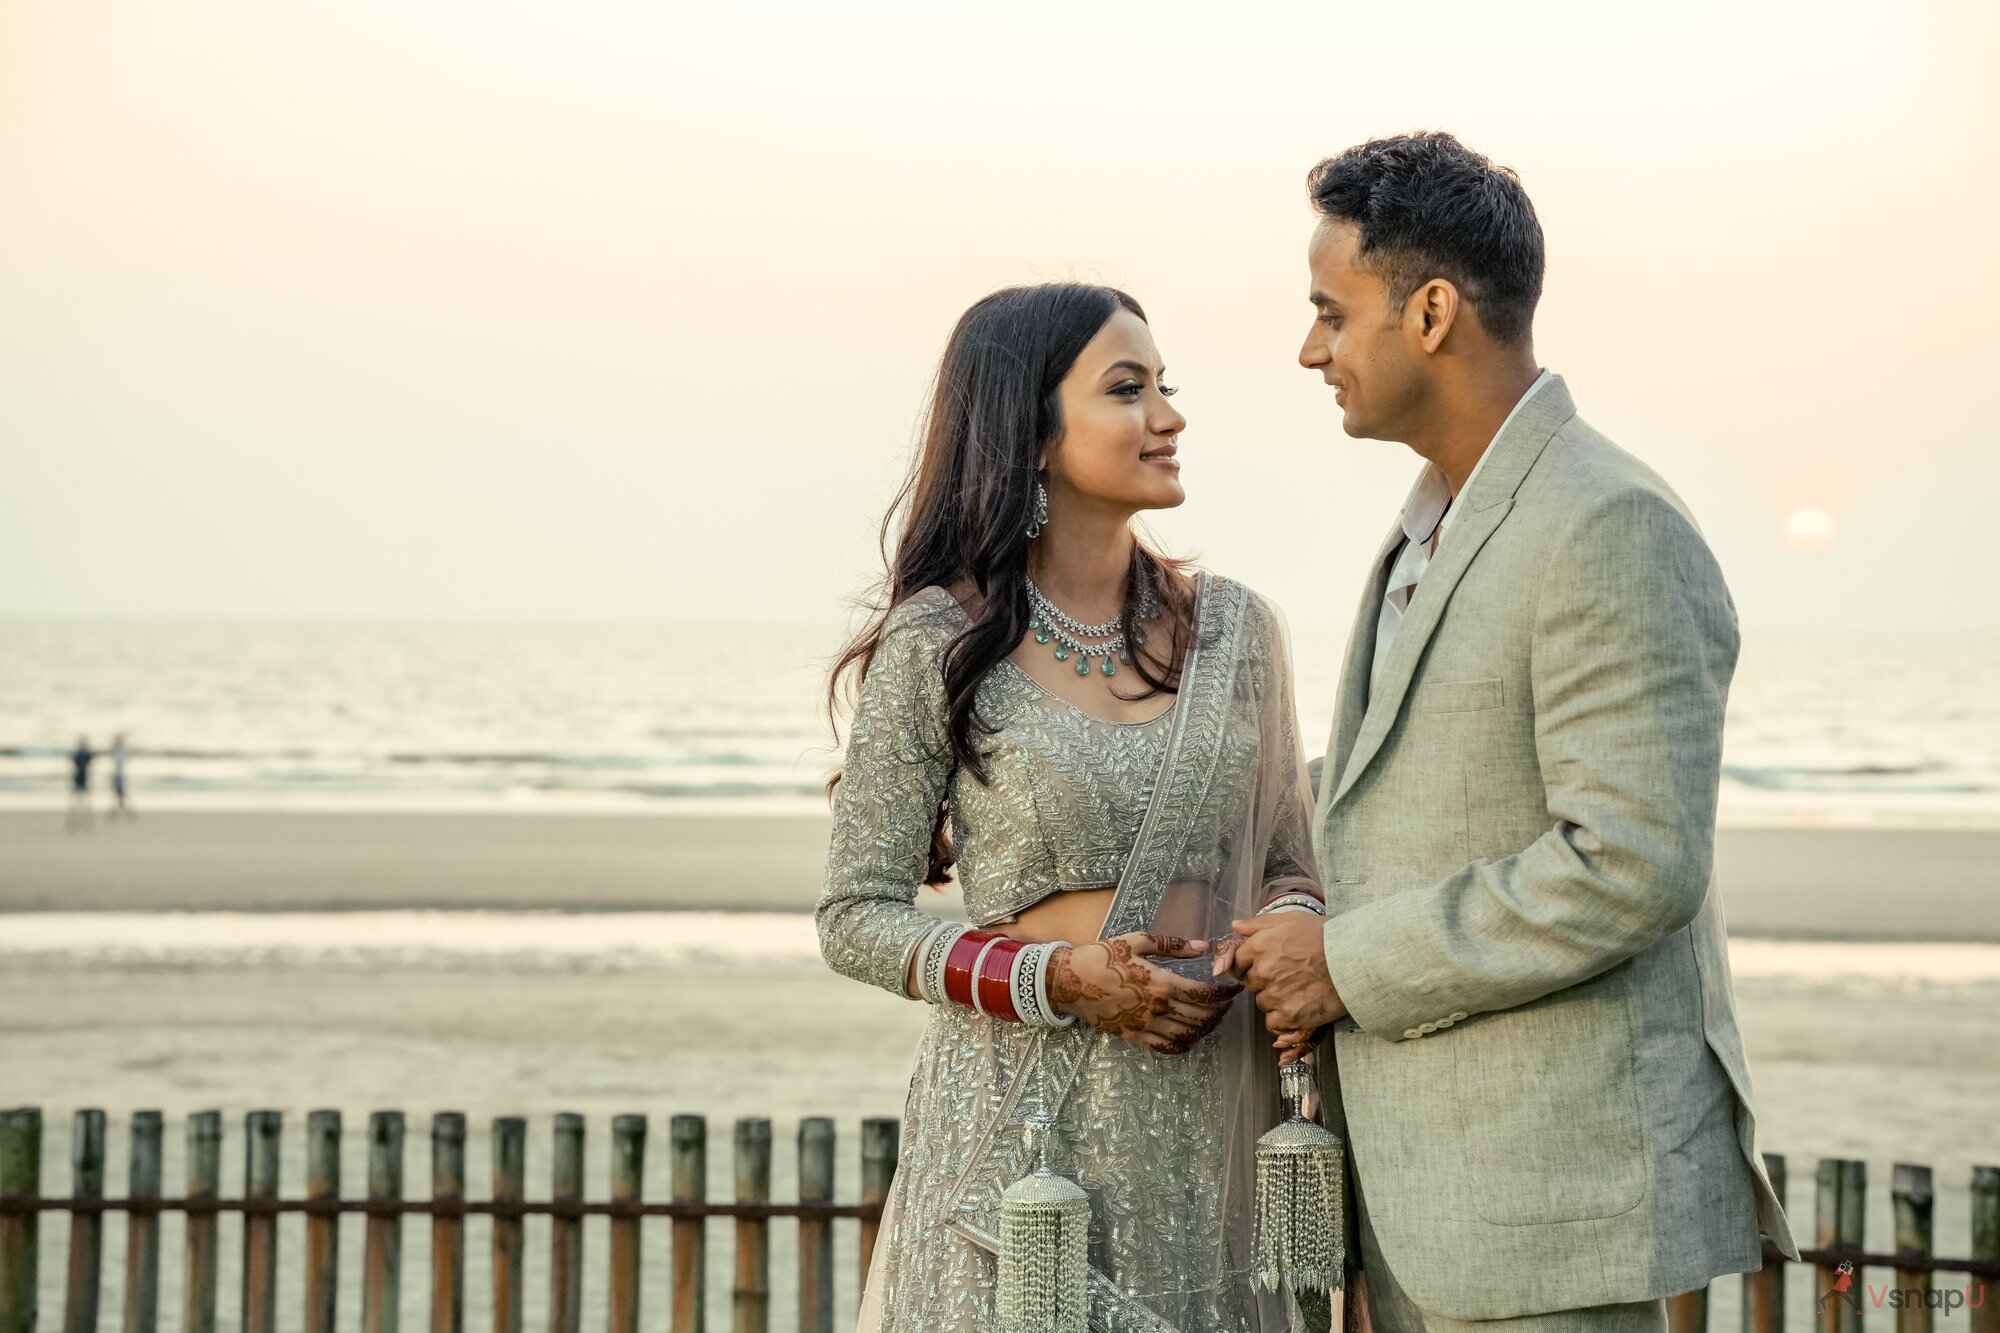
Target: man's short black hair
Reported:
point(1429, 207)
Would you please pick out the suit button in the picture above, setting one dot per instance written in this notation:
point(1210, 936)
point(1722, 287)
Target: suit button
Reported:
point(1460, 1014)
point(1427, 1028)
point(1444, 1023)
point(1412, 1032)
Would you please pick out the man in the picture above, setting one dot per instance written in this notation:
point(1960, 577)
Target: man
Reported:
point(79, 816)
point(1534, 1057)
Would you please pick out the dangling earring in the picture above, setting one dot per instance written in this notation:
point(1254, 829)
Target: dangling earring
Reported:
point(1041, 519)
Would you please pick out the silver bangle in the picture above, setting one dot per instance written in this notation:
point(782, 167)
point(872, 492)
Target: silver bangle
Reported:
point(913, 960)
point(1294, 902)
point(930, 982)
point(1031, 986)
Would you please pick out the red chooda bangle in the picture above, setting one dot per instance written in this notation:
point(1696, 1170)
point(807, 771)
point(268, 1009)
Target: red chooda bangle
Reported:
point(959, 964)
point(994, 987)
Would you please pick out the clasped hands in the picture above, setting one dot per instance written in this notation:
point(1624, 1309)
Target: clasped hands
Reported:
point(1282, 959)
point(1111, 985)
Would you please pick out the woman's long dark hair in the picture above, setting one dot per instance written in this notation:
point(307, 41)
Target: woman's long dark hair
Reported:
point(963, 511)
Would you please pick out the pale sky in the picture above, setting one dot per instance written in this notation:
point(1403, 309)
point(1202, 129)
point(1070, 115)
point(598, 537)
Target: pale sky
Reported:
point(624, 311)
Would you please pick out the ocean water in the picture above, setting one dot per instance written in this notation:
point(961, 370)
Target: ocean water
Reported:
point(729, 718)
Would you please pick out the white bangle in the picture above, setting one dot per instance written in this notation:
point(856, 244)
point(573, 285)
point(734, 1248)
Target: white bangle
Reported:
point(1293, 902)
point(913, 962)
point(930, 979)
point(1031, 986)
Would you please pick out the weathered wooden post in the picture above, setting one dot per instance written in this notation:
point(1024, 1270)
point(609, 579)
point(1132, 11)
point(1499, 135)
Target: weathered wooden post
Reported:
point(1764, 1290)
point(1910, 1192)
point(204, 1183)
point(84, 1280)
point(1840, 1214)
point(880, 1145)
point(1982, 1293)
point(753, 1234)
point(510, 1170)
point(261, 1130)
point(382, 1255)
point(566, 1233)
point(1826, 1235)
point(628, 1175)
point(448, 1230)
point(816, 1153)
point(1853, 1232)
point(20, 1174)
point(322, 1229)
point(1688, 1312)
point(142, 1226)
point(688, 1144)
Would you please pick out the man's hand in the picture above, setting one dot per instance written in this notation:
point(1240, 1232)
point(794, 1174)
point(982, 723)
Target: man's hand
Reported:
point(1282, 960)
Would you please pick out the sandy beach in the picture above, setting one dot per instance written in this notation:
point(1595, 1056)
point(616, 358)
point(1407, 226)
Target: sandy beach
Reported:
point(1860, 1045)
point(1788, 883)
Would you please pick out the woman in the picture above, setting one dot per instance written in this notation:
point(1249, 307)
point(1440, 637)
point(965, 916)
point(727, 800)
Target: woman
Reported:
point(1104, 744)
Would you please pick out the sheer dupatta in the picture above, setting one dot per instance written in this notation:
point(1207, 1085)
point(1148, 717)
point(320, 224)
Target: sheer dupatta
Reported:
point(1166, 1145)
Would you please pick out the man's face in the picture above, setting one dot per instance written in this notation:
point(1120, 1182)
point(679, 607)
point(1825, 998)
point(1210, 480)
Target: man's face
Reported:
point(1358, 341)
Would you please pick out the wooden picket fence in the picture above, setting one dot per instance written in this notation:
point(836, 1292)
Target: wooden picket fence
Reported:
point(1841, 1194)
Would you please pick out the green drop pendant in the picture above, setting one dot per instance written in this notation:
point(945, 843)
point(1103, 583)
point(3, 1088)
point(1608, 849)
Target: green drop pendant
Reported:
point(1062, 653)
point(1083, 666)
point(1110, 667)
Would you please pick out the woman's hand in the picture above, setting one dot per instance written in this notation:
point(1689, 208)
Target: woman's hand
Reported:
point(1110, 985)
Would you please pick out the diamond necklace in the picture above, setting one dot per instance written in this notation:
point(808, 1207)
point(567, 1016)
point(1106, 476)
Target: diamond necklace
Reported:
point(1051, 622)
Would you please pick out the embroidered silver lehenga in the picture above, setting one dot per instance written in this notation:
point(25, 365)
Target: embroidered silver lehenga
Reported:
point(1199, 816)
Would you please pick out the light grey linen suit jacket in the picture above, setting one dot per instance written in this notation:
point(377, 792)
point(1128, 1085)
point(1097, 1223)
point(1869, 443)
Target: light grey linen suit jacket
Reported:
point(1540, 1080)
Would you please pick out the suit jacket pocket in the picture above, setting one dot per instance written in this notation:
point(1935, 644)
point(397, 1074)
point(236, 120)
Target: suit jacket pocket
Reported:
point(1548, 1107)
point(1459, 696)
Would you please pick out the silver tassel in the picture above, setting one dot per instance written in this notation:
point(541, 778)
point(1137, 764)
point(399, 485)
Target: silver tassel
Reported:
point(1300, 1243)
point(1044, 1246)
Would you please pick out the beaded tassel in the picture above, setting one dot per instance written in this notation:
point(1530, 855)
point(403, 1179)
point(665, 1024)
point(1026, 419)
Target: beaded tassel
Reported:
point(1300, 1236)
point(1044, 1247)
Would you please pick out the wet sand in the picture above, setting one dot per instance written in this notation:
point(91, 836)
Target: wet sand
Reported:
point(1845, 883)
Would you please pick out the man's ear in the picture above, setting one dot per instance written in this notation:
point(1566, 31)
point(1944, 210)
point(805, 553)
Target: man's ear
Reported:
point(1438, 304)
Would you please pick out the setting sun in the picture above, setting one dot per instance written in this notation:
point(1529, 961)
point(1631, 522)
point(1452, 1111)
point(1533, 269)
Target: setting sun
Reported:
point(1810, 530)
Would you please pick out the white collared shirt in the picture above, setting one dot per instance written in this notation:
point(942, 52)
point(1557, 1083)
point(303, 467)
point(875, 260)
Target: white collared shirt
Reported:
point(1427, 514)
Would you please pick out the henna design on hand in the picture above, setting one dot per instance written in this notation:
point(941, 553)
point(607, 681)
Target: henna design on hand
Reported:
point(1131, 999)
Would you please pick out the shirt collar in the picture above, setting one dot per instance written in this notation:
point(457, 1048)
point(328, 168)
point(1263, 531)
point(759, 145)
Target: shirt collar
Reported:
point(1429, 509)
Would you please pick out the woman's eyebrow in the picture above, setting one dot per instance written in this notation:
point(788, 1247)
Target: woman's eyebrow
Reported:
point(1132, 366)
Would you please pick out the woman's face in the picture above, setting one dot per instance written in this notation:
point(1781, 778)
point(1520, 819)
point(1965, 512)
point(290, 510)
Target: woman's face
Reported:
point(1120, 434)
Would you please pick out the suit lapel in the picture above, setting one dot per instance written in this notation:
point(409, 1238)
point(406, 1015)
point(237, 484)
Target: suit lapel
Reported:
point(1352, 700)
point(1486, 506)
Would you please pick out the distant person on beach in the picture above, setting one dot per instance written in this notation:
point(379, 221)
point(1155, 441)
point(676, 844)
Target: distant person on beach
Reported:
point(1102, 740)
point(79, 816)
point(120, 809)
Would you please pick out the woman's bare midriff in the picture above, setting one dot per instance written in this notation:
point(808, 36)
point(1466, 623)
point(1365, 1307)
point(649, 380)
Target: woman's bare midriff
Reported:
point(1076, 915)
